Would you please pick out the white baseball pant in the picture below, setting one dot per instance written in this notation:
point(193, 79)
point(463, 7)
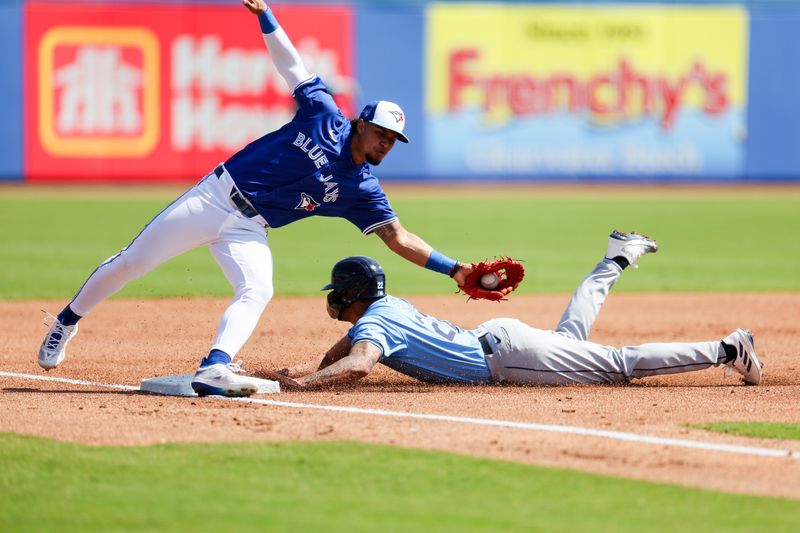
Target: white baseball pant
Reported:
point(203, 215)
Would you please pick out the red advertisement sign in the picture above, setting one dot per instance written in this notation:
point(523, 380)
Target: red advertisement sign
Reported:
point(148, 92)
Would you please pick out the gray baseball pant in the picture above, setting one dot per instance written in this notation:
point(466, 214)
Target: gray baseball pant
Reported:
point(530, 356)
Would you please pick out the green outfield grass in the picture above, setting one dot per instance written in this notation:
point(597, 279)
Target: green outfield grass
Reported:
point(763, 430)
point(338, 486)
point(710, 241)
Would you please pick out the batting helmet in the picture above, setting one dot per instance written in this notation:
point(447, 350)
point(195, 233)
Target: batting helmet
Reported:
point(355, 278)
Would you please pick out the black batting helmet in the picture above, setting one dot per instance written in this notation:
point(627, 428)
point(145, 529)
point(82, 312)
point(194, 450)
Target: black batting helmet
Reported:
point(355, 278)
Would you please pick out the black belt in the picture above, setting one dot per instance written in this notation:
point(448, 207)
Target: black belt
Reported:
point(236, 197)
point(487, 347)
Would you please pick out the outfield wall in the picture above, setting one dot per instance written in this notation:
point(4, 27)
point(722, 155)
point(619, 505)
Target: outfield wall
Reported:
point(145, 91)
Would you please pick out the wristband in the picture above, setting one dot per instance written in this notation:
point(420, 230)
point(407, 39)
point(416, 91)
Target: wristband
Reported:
point(440, 263)
point(268, 21)
point(455, 269)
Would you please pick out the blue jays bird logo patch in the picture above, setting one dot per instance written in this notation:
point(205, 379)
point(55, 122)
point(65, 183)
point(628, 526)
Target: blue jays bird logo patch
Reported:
point(398, 116)
point(307, 202)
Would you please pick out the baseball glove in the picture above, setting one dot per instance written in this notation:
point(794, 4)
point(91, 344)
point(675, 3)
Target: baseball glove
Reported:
point(509, 275)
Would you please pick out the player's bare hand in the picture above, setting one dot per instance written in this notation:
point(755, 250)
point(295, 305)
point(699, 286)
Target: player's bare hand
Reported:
point(461, 274)
point(255, 6)
point(286, 382)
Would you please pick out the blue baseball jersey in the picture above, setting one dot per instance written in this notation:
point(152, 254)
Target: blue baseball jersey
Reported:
point(306, 168)
point(419, 345)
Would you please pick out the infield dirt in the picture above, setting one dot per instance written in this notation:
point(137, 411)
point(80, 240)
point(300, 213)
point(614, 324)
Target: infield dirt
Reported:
point(125, 341)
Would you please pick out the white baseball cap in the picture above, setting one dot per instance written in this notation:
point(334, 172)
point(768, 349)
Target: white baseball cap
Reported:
point(386, 115)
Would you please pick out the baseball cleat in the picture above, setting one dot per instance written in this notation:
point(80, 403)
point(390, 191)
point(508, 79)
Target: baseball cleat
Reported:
point(747, 362)
point(223, 380)
point(54, 347)
point(631, 246)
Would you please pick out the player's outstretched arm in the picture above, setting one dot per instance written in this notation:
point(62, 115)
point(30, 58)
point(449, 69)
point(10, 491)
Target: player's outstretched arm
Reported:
point(413, 248)
point(354, 366)
point(337, 351)
point(284, 55)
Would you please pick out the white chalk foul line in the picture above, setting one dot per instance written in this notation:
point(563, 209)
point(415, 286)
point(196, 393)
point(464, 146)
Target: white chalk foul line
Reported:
point(530, 426)
point(67, 380)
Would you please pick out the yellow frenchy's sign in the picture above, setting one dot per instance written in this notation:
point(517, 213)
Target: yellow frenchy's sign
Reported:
point(607, 63)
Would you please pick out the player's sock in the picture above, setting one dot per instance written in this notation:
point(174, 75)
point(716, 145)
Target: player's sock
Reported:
point(215, 357)
point(730, 354)
point(68, 317)
point(621, 261)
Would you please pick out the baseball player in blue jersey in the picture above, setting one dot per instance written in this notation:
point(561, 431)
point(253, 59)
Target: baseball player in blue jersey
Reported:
point(391, 331)
point(317, 164)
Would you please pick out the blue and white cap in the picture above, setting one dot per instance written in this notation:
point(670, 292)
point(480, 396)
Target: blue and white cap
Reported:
point(386, 115)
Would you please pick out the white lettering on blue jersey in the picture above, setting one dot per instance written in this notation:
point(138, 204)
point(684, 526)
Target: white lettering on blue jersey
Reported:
point(419, 345)
point(314, 152)
point(331, 191)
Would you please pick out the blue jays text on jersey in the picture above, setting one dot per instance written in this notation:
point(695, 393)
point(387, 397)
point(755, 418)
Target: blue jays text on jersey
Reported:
point(306, 168)
point(421, 346)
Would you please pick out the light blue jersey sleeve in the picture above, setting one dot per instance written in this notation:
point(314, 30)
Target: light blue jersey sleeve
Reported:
point(380, 333)
point(419, 345)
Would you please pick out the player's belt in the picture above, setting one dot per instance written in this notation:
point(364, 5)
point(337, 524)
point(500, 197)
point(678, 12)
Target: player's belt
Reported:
point(238, 200)
point(242, 204)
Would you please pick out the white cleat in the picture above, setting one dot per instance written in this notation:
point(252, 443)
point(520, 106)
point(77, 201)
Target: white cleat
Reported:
point(631, 246)
point(54, 347)
point(223, 380)
point(747, 362)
